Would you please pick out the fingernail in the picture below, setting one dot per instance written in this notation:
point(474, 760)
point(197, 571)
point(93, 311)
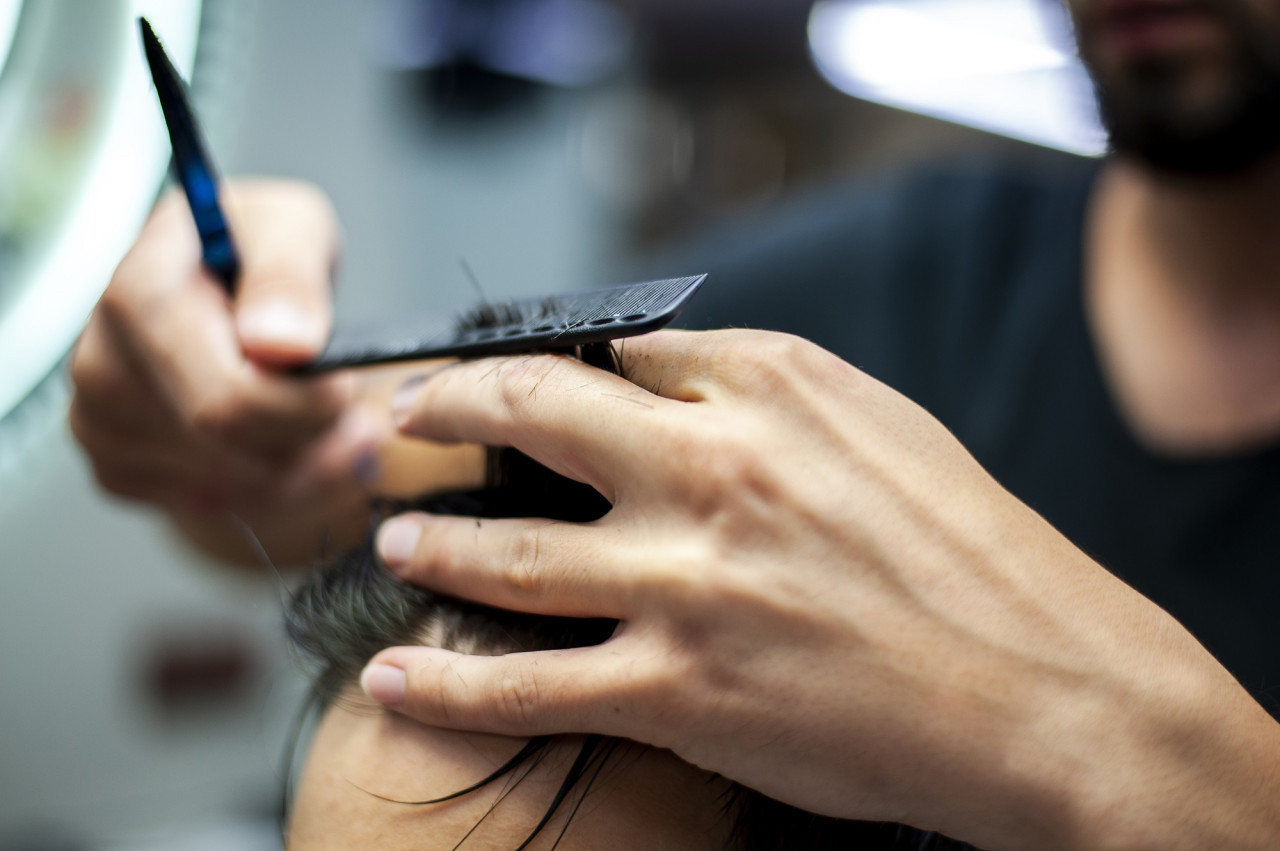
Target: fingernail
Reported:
point(278, 321)
point(397, 539)
point(367, 468)
point(384, 684)
point(402, 401)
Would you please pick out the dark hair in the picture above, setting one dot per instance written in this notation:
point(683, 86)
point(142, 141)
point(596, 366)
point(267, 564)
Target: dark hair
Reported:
point(351, 608)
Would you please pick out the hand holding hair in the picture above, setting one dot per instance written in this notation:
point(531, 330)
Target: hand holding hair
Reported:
point(824, 597)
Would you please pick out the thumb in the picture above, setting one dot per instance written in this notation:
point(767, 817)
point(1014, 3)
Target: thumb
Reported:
point(520, 694)
point(288, 237)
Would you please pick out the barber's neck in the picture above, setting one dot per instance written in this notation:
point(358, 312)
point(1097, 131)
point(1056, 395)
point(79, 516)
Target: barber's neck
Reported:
point(1183, 294)
point(1216, 237)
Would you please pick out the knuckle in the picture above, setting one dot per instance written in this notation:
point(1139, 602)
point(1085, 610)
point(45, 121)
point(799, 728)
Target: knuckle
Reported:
point(114, 306)
point(727, 471)
point(685, 440)
point(519, 695)
point(120, 482)
point(83, 366)
point(520, 384)
point(86, 364)
point(794, 366)
point(139, 294)
point(787, 348)
point(524, 562)
point(684, 572)
point(108, 477)
point(84, 429)
point(221, 417)
point(94, 375)
point(755, 362)
point(775, 360)
point(77, 422)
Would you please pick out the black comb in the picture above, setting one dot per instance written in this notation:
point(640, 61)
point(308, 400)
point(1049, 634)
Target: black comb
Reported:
point(522, 325)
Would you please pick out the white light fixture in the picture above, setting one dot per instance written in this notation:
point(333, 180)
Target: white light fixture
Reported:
point(9, 11)
point(66, 269)
point(997, 65)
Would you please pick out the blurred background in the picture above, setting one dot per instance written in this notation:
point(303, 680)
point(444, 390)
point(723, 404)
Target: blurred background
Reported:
point(146, 695)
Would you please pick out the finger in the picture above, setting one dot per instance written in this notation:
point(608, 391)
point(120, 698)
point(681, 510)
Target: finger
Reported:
point(582, 422)
point(172, 472)
point(580, 690)
point(176, 324)
point(288, 238)
point(538, 566)
point(117, 401)
point(158, 487)
point(350, 453)
point(127, 482)
point(666, 363)
point(699, 366)
point(112, 394)
point(128, 446)
point(116, 396)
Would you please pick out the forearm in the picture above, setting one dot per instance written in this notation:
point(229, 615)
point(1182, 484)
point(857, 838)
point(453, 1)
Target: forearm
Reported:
point(1137, 738)
point(1192, 765)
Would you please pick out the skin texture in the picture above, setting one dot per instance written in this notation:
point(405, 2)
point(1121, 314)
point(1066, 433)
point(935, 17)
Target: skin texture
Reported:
point(647, 799)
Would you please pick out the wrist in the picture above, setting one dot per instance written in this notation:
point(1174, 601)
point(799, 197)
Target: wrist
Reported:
point(1110, 726)
point(1174, 755)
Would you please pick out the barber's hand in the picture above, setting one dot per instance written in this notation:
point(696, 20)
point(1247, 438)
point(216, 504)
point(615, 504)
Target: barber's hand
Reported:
point(181, 395)
point(824, 597)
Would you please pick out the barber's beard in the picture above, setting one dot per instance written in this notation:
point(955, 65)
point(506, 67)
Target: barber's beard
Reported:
point(1146, 109)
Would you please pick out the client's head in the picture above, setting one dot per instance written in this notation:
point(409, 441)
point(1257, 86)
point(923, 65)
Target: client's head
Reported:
point(364, 761)
point(376, 779)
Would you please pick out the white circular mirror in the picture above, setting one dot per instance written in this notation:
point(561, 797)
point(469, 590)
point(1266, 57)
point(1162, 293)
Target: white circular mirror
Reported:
point(82, 155)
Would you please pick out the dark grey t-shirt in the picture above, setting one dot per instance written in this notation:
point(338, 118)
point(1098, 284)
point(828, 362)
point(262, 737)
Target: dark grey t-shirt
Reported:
point(961, 287)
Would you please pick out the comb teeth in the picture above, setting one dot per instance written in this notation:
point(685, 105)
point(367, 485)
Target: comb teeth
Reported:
point(496, 314)
point(521, 325)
